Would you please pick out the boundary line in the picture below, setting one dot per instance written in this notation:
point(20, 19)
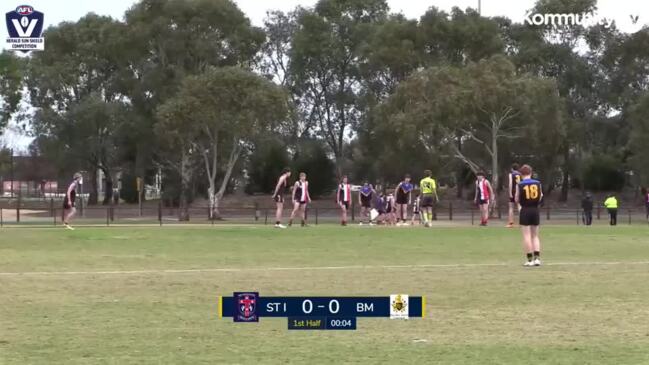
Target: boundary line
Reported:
point(315, 268)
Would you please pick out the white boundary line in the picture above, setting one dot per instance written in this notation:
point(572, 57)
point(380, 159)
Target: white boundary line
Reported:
point(314, 268)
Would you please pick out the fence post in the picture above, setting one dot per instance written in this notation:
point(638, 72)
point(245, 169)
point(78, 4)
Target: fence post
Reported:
point(160, 212)
point(450, 211)
point(353, 215)
point(1, 218)
point(108, 216)
point(500, 214)
point(316, 216)
point(577, 216)
point(52, 207)
point(629, 216)
point(18, 205)
point(256, 211)
point(434, 212)
point(266, 216)
point(54, 215)
point(472, 215)
point(598, 211)
point(547, 210)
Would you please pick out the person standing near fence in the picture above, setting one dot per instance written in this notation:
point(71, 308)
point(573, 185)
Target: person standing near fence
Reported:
point(514, 179)
point(483, 194)
point(611, 206)
point(344, 199)
point(646, 202)
point(278, 196)
point(587, 209)
point(529, 195)
point(429, 198)
point(404, 197)
point(69, 201)
point(300, 199)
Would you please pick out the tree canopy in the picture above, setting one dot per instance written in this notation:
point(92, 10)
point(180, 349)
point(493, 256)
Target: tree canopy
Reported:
point(192, 89)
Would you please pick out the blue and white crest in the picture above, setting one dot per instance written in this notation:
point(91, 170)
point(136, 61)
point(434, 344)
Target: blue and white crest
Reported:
point(25, 27)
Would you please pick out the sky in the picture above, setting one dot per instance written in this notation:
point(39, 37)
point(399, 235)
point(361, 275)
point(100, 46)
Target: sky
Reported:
point(56, 11)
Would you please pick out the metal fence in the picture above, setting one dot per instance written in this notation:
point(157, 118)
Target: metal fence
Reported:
point(50, 213)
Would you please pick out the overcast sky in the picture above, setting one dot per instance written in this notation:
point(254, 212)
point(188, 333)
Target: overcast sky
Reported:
point(56, 11)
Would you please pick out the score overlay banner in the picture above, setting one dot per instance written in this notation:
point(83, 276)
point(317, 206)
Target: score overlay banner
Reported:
point(250, 305)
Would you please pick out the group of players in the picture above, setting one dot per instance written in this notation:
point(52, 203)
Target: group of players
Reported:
point(525, 195)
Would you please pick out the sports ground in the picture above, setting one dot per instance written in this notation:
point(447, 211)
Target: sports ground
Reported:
point(148, 295)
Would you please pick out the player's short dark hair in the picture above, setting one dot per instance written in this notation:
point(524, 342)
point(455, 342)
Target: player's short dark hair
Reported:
point(285, 170)
point(406, 176)
point(514, 166)
point(428, 173)
point(480, 173)
point(526, 170)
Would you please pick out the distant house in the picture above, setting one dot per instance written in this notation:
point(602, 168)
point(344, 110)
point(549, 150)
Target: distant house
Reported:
point(29, 175)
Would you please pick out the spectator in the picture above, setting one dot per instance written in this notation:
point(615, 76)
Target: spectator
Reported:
point(587, 209)
point(611, 205)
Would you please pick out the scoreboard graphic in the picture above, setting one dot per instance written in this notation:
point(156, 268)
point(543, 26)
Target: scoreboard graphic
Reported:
point(319, 312)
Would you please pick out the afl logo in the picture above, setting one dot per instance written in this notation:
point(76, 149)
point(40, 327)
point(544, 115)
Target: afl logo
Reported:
point(25, 28)
point(24, 10)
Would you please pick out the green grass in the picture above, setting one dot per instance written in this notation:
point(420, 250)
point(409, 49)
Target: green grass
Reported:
point(561, 313)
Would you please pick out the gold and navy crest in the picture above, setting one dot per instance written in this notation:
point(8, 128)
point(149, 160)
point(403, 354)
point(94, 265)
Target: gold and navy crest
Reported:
point(399, 306)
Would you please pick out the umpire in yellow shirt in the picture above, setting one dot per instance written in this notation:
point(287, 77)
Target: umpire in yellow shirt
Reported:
point(428, 188)
point(611, 205)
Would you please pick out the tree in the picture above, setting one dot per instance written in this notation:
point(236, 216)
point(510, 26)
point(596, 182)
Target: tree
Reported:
point(167, 41)
point(266, 162)
point(325, 59)
point(218, 113)
point(638, 141)
point(11, 83)
point(280, 29)
point(72, 88)
point(482, 106)
point(557, 52)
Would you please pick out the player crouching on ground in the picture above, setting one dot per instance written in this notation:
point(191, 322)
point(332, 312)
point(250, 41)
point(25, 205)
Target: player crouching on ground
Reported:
point(344, 199)
point(529, 195)
point(69, 201)
point(365, 196)
point(483, 192)
point(300, 199)
point(416, 214)
point(514, 179)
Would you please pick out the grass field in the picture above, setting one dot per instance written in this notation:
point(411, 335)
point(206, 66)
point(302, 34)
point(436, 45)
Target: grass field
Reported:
point(124, 295)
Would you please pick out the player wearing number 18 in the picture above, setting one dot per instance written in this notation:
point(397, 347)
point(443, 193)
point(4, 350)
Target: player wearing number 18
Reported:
point(529, 195)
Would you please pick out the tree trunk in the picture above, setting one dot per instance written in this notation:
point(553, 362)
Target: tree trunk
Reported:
point(232, 161)
point(213, 202)
point(565, 182)
point(185, 179)
point(494, 165)
point(108, 187)
point(459, 174)
point(93, 194)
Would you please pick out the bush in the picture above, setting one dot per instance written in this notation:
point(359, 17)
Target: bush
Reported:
point(265, 166)
point(128, 192)
point(314, 161)
point(603, 173)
